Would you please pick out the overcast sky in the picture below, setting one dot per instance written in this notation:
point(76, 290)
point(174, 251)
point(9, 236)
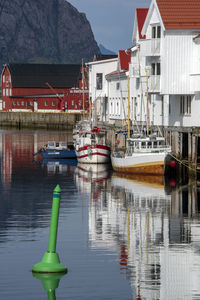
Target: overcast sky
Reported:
point(111, 20)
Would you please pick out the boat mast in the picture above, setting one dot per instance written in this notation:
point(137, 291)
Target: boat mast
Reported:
point(147, 96)
point(83, 86)
point(128, 106)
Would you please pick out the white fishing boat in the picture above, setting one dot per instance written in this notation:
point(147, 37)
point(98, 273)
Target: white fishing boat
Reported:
point(143, 155)
point(81, 126)
point(91, 148)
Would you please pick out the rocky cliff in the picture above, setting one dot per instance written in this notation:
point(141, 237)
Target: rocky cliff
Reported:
point(44, 31)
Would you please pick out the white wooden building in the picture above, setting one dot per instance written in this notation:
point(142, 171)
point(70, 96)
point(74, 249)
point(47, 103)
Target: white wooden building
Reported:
point(118, 86)
point(167, 47)
point(98, 85)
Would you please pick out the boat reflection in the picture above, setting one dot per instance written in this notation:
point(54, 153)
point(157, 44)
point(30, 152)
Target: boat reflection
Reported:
point(92, 179)
point(59, 166)
point(152, 231)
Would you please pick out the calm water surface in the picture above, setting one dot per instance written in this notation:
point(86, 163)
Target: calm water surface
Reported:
point(120, 237)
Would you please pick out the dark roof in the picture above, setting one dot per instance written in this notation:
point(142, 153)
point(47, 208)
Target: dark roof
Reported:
point(98, 57)
point(36, 75)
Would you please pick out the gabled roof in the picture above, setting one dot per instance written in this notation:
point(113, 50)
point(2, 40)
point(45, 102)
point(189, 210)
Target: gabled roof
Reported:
point(124, 59)
point(141, 14)
point(115, 73)
point(36, 75)
point(180, 14)
point(140, 17)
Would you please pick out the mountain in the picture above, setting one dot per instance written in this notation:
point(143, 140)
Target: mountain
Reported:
point(44, 31)
point(103, 50)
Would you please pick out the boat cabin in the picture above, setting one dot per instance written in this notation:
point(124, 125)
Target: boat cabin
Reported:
point(56, 145)
point(146, 144)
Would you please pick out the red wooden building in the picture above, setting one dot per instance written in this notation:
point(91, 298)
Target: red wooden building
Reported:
point(44, 88)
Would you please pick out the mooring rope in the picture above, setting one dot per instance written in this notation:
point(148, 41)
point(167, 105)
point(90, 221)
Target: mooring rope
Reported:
point(184, 164)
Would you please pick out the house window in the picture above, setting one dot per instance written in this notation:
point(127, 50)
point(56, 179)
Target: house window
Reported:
point(155, 69)
point(4, 92)
point(99, 81)
point(18, 103)
point(135, 108)
point(53, 103)
point(188, 105)
point(185, 105)
point(3, 78)
point(46, 103)
point(10, 92)
point(14, 103)
point(31, 103)
point(73, 102)
point(22, 103)
point(117, 86)
point(111, 108)
point(7, 92)
point(156, 32)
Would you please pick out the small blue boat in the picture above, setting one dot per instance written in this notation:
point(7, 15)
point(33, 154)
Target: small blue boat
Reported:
point(57, 150)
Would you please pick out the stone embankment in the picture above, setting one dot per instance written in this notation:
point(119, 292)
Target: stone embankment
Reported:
point(61, 121)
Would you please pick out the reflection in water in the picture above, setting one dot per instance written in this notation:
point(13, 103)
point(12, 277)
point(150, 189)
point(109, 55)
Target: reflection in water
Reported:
point(92, 179)
point(59, 166)
point(151, 225)
point(50, 283)
point(17, 149)
point(22, 182)
point(152, 231)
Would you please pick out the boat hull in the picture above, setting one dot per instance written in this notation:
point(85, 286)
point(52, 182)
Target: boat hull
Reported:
point(93, 154)
point(58, 154)
point(148, 163)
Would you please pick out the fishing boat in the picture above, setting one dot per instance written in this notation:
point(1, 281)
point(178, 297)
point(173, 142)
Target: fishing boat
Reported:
point(143, 155)
point(58, 150)
point(90, 147)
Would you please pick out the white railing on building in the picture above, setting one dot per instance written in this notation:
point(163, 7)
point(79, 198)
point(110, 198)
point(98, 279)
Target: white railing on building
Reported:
point(154, 85)
point(136, 71)
point(152, 47)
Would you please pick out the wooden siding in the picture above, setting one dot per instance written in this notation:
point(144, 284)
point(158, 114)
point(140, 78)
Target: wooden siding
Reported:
point(177, 63)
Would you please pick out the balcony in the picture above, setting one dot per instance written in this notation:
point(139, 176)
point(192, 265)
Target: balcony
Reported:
point(136, 71)
point(153, 47)
point(154, 83)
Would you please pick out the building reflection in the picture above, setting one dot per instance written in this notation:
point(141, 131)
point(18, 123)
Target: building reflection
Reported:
point(155, 234)
point(17, 149)
point(24, 196)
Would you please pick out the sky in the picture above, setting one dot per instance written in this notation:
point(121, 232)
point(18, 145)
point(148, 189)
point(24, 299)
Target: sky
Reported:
point(111, 20)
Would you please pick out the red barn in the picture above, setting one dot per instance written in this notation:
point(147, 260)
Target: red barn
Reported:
point(44, 88)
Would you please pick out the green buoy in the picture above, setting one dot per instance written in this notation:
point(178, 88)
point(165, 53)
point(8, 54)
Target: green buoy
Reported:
point(50, 262)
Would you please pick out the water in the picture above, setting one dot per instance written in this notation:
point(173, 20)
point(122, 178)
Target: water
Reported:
point(120, 237)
